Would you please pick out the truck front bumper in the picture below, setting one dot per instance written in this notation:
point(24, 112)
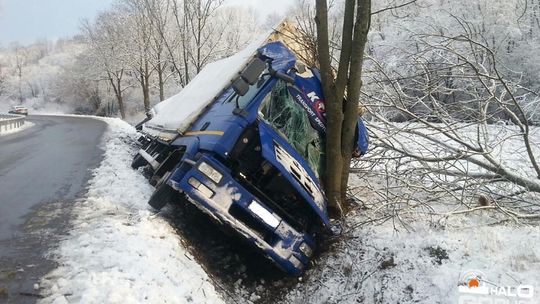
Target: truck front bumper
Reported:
point(212, 189)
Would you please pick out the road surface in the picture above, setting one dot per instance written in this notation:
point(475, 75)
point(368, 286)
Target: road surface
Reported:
point(43, 170)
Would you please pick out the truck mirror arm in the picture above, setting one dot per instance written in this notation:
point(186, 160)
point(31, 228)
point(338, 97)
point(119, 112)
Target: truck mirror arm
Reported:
point(280, 75)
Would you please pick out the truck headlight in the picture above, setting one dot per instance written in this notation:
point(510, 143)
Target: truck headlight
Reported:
point(296, 262)
point(209, 171)
point(264, 214)
point(205, 191)
point(306, 250)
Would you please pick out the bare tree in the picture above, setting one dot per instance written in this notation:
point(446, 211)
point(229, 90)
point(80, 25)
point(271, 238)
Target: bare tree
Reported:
point(141, 32)
point(3, 79)
point(197, 14)
point(105, 38)
point(158, 14)
point(20, 62)
point(202, 34)
point(469, 143)
point(79, 84)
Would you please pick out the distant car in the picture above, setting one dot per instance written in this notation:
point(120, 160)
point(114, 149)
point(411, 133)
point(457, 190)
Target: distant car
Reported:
point(18, 110)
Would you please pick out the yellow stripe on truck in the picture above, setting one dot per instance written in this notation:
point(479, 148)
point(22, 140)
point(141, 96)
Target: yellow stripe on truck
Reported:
point(194, 133)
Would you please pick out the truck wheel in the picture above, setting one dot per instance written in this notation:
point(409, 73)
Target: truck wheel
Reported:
point(163, 193)
point(138, 161)
point(161, 196)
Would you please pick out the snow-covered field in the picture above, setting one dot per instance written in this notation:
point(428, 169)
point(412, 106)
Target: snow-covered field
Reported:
point(383, 264)
point(118, 251)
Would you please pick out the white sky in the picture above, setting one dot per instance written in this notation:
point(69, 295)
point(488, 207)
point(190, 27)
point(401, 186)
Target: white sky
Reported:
point(26, 21)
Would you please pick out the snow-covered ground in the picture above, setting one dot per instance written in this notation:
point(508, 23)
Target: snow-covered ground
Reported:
point(118, 251)
point(387, 264)
point(27, 125)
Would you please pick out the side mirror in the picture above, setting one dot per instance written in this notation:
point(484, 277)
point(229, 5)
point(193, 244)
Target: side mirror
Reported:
point(363, 137)
point(280, 75)
point(252, 72)
point(240, 86)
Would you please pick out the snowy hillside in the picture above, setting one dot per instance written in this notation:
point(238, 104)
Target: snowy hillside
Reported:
point(30, 76)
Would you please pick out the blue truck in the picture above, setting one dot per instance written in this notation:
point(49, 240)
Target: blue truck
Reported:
point(244, 142)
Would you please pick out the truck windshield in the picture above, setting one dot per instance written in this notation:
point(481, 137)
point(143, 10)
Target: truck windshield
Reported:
point(289, 119)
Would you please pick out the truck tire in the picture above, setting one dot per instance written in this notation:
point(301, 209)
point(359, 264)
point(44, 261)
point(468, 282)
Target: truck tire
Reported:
point(138, 161)
point(163, 193)
point(161, 196)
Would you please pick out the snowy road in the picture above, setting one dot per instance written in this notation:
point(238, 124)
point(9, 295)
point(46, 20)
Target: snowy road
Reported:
point(42, 170)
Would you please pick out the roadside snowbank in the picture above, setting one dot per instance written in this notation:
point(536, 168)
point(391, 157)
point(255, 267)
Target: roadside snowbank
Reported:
point(118, 251)
point(27, 125)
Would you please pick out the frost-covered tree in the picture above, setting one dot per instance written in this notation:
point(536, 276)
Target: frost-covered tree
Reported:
point(448, 95)
point(106, 40)
point(140, 56)
point(81, 85)
point(159, 14)
point(30, 73)
point(20, 58)
point(207, 31)
point(3, 79)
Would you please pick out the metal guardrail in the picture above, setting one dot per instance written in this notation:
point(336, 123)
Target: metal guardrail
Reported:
point(9, 122)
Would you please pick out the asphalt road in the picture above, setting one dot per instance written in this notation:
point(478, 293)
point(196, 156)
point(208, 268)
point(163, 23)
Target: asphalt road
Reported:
point(43, 170)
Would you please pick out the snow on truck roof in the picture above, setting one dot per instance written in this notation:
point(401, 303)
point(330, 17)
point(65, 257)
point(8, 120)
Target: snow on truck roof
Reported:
point(174, 115)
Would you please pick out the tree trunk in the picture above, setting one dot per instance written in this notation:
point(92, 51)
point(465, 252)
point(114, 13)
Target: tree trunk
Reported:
point(354, 85)
point(116, 84)
point(145, 85)
point(341, 117)
point(161, 85)
point(334, 114)
point(20, 87)
point(146, 94)
point(120, 99)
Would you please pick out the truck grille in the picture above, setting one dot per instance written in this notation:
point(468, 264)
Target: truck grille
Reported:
point(247, 219)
